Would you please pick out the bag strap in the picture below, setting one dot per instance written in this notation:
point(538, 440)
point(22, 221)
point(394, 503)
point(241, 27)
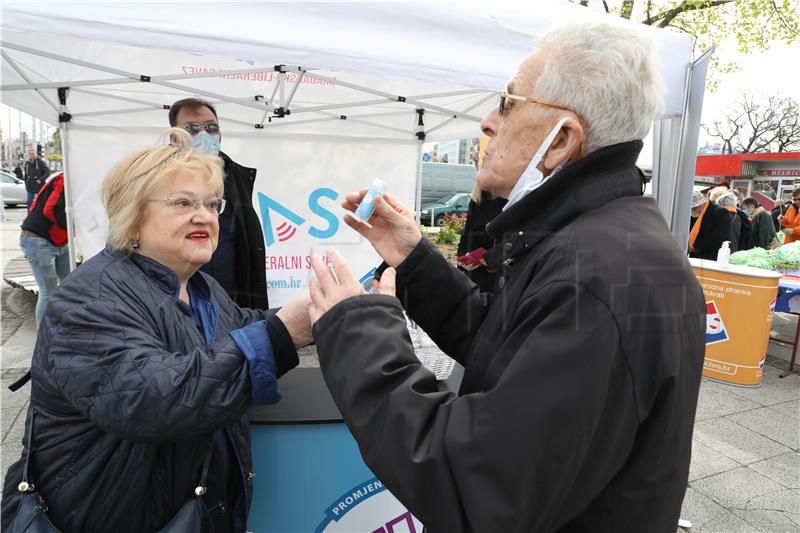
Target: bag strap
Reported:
point(201, 487)
point(24, 486)
point(14, 387)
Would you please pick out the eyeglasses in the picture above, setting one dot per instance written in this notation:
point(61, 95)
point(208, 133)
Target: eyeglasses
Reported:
point(212, 128)
point(185, 206)
point(505, 96)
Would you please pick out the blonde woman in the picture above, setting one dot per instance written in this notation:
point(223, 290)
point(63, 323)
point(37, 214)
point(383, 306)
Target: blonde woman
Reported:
point(144, 368)
point(483, 208)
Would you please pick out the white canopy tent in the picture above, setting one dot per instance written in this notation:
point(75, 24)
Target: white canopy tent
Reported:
point(320, 97)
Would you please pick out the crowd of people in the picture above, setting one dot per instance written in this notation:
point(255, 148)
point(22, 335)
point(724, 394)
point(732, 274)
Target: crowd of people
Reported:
point(723, 215)
point(582, 364)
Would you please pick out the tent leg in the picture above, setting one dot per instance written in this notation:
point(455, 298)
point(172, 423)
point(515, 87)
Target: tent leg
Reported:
point(65, 145)
point(418, 188)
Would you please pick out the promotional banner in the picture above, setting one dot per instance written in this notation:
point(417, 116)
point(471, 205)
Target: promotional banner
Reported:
point(300, 184)
point(740, 302)
point(311, 478)
point(300, 205)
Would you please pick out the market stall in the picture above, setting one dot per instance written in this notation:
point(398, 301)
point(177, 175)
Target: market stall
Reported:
point(321, 97)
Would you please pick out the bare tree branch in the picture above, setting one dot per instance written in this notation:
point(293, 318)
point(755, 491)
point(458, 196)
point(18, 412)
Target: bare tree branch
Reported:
point(759, 126)
point(665, 17)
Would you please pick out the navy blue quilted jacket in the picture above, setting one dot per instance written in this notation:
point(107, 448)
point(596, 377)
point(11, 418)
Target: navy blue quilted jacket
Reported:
point(130, 386)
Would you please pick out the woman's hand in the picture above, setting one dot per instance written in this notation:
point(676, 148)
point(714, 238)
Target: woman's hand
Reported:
point(295, 318)
point(392, 230)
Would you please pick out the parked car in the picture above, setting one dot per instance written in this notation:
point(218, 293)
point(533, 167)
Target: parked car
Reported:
point(439, 179)
point(12, 190)
point(450, 204)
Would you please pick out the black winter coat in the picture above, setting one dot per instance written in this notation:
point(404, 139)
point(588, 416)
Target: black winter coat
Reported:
point(128, 395)
point(36, 172)
point(714, 230)
point(582, 372)
point(248, 263)
point(475, 236)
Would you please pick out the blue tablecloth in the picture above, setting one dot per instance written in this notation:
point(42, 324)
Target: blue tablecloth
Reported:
point(789, 293)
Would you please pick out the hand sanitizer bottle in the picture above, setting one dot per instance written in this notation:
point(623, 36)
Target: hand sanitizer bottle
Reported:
point(367, 205)
point(724, 254)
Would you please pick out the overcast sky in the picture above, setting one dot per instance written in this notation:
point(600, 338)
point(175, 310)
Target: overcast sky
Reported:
point(775, 72)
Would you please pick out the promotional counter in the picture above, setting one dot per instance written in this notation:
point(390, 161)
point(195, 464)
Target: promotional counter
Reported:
point(309, 472)
point(740, 302)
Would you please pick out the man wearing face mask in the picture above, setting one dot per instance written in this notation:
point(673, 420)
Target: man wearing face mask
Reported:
point(238, 264)
point(582, 369)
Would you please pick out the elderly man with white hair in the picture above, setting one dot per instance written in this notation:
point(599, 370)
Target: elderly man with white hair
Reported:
point(582, 368)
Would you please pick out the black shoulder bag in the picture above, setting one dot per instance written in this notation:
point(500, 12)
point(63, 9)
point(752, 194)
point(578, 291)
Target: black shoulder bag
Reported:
point(32, 511)
point(32, 516)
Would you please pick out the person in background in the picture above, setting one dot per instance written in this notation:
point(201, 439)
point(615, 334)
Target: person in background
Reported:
point(727, 201)
point(778, 211)
point(790, 221)
point(714, 194)
point(18, 172)
point(43, 241)
point(483, 208)
point(747, 226)
point(36, 172)
point(239, 262)
point(763, 234)
point(144, 368)
point(587, 358)
point(709, 227)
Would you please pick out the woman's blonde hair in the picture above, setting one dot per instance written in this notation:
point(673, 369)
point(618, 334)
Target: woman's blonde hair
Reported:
point(477, 193)
point(139, 175)
point(716, 192)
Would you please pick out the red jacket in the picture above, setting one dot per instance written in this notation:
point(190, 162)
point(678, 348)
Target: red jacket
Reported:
point(46, 215)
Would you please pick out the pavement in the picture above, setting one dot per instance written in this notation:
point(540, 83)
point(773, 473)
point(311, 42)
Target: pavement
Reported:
point(745, 471)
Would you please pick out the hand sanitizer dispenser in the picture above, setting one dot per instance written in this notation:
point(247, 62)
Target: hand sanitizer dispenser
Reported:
point(724, 254)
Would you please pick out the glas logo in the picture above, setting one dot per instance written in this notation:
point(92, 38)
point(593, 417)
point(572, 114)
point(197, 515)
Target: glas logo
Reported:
point(288, 229)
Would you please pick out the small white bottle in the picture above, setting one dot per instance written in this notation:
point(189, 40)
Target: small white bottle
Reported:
point(724, 254)
point(367, 205)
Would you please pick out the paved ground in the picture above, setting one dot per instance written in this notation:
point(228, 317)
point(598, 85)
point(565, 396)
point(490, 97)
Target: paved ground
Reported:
point(745, 473)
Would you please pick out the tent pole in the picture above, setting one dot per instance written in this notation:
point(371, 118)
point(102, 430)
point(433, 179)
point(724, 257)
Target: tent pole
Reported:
point(393, 98)
point(418, 185)
point(295, 86)
point(117, 97)
point(470, 108)
point(63, 121)
point(27, 78)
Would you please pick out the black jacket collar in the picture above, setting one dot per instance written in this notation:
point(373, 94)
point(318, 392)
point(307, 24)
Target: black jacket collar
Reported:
point(601, 177)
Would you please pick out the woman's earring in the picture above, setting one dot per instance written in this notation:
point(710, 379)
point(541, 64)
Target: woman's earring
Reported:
point(135, 244)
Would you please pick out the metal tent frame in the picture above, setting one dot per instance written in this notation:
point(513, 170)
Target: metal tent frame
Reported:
point(276, 111)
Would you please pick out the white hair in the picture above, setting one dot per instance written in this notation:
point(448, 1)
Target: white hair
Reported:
point(728, 199)
point(606, 73)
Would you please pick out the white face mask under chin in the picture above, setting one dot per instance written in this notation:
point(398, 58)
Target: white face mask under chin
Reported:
point(532, 178)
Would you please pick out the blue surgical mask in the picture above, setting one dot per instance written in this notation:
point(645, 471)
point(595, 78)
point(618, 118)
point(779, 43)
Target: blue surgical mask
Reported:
point(204, 143)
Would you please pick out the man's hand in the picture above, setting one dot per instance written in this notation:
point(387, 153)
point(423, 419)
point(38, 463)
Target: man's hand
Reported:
point(469, 267)
point(788, 231)
point(294, 316)
point(392, 230)
point(387, 284)
point(331, 285)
